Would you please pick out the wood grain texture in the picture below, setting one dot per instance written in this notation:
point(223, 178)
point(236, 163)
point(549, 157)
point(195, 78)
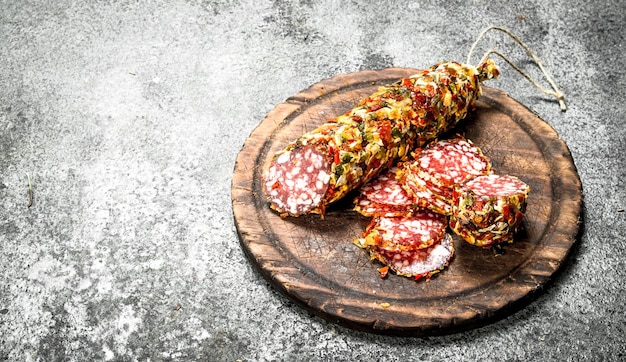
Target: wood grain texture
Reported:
point(315, 263)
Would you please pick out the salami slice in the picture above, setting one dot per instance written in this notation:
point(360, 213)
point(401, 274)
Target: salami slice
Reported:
point(418, 231)
point(438, 168)
point(384, 196)
point(386, 189)
point(419, 263)
point(369, 208)
point(450, 162)
point(488, 210)
point(424, 196)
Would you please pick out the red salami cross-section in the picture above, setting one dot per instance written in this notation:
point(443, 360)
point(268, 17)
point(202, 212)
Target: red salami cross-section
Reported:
point(297, 180)
point(384, 196)
point(418, 231)
point(419, 263)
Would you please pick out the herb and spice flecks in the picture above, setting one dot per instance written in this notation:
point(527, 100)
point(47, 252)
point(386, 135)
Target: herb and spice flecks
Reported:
point(488, 210)
point(324, 165)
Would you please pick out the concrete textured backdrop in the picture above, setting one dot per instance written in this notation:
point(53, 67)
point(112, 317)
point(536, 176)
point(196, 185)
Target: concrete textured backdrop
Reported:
point(127, 117)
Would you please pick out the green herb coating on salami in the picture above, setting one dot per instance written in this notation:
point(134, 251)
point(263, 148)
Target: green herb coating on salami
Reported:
point(488, 210)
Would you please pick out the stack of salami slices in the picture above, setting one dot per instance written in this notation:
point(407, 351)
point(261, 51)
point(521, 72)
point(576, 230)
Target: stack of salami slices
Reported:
point(448, 183)
point(437, 169)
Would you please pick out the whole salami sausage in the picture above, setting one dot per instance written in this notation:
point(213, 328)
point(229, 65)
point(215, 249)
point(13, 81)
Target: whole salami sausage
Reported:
point(324, 165)
point(488, 210)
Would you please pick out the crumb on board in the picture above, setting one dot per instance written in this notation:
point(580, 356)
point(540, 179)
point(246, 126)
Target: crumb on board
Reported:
point(383, 271)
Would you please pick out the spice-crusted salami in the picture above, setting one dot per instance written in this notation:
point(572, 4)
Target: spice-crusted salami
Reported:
point(438, 168)
point(419, 263)
point(488, 210)
point(371, 137)
point(384, 196)
point(418, 231)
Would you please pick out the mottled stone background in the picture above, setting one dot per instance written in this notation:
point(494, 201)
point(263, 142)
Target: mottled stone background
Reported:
point(127, 117)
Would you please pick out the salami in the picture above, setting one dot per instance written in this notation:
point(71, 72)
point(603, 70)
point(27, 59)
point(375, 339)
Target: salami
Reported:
point(384, 196)
point(438, 168)
point(419, 263)
point(418, 231)
point(488, 210)
point(304, 173)
point(369, 208)
point(352, 149)
point(423, 196)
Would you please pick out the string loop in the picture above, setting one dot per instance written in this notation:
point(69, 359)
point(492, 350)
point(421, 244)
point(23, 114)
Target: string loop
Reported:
point(560, 96)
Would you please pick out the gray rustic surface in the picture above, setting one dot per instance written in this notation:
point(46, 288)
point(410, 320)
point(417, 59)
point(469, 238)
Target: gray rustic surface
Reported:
point(127, 117)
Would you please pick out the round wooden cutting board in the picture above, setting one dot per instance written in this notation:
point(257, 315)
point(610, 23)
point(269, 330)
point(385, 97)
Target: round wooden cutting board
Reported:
point(315, 263)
